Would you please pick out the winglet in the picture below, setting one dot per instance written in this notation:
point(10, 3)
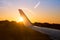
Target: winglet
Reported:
point(26, 20)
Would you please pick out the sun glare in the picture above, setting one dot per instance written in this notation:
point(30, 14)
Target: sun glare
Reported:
point(20, 19)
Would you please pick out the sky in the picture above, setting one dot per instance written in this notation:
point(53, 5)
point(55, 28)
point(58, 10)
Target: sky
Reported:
point(36, 10)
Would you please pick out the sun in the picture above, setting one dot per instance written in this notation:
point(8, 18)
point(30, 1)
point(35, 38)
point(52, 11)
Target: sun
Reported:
point(20, 19)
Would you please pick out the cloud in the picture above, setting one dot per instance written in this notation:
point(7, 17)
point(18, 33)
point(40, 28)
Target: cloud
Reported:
point(37, 5)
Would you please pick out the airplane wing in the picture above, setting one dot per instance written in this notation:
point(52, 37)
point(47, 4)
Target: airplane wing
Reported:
point(26, 20)
point(53, 33)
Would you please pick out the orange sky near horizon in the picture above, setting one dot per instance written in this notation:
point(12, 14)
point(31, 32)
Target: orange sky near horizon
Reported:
point(15, 16)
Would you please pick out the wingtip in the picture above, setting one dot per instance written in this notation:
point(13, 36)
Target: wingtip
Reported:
point(19, 9)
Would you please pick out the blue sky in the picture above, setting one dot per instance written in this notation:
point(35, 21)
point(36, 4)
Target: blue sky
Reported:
point(46, 8)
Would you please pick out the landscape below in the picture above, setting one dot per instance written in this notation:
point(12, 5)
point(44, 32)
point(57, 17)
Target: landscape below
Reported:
point(17, 31)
